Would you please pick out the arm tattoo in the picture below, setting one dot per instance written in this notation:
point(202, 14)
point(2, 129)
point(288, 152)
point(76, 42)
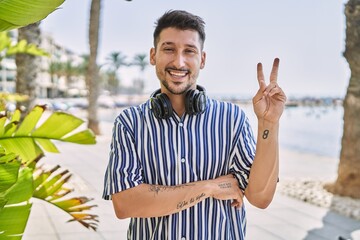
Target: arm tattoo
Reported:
point(196, 199)
point(224, 185)
point(265, 134)
point(160, 188)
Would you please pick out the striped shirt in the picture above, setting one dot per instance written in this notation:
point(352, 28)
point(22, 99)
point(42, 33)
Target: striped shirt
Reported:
point(181, 150)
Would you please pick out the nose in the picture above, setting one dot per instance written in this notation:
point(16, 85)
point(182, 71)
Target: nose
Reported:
point(179, 61)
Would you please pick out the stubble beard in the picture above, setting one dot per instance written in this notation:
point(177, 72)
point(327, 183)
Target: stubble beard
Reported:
point(174, 90)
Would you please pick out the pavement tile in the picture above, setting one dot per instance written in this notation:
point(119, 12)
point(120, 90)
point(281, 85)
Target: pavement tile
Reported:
point(255, 232)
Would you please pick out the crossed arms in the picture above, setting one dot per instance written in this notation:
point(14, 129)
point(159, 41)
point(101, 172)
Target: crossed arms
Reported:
point(146, 200)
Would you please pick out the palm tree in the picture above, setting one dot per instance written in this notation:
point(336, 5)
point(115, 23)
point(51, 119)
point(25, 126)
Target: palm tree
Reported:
point(141, 61)
point(348, 180)
point(93, 70)
point(115, 60)
point(27, 66)
point(92, 76)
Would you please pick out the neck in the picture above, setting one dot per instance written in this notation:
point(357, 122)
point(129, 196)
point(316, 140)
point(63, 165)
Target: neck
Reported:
point(178, 104)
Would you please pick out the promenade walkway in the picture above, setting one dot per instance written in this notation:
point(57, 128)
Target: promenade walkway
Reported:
point(286, 218)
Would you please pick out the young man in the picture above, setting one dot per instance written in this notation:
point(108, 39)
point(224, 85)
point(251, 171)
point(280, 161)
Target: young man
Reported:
point(181, 162)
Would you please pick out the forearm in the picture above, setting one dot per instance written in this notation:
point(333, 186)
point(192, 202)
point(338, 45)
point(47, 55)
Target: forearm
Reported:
point(148, 200)
point(265, 169)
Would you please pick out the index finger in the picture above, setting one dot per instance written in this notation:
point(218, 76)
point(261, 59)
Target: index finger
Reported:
point(274, 70)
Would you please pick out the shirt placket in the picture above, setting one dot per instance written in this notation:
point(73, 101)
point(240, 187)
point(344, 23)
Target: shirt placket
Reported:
point(181, 170)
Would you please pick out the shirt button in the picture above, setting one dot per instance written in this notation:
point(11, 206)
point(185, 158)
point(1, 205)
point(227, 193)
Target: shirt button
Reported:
point(181, 124)
point(183, 160)
point(183, 238)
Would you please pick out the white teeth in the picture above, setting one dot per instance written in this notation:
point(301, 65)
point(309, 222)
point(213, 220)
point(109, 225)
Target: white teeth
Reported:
point(178, 74)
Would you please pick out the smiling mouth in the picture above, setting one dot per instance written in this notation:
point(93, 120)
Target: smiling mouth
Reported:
point(177, 73)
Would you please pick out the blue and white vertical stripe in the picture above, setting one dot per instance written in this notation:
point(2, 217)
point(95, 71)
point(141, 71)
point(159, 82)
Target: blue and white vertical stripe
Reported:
point(181, 150)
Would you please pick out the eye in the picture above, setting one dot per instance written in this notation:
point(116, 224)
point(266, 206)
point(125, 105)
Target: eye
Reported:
point(190, 51)
point(168, 50)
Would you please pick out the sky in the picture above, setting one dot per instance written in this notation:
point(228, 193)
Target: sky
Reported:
point(308, 36)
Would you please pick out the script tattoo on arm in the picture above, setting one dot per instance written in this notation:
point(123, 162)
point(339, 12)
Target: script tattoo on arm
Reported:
point(196, 199)
point(265, 134)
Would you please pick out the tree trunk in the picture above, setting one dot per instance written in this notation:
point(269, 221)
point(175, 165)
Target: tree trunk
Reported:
point(348, 180)
point(92, 76)
point(27, 66)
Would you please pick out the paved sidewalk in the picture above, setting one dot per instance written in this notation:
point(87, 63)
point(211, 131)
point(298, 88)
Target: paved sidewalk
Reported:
point(286, 218)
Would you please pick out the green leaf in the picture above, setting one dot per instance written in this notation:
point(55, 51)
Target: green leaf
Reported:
point(27, 149)
point(40, 176)
point(28, 140)
point(3, 201)
point(57, 125)
point(16, 116)
point(10, 128)
point(30, 121)
point(2, 124)
point(13, 220)
point(5, 41)
point(8, 171)
point(50, 188)
point(16, 13)
point(24, 47)
point(51, 185)
point(47, 145)
point(22, 190)
point(83, 137)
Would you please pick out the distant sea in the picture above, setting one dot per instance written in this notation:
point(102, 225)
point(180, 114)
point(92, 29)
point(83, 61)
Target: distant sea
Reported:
point(308, 129)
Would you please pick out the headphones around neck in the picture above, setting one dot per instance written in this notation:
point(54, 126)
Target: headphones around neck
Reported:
point(195, 103)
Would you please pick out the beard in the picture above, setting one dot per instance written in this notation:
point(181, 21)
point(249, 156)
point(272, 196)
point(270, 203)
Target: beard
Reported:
point(176, 90)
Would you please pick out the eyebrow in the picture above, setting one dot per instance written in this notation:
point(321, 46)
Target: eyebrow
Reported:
point(171, 43)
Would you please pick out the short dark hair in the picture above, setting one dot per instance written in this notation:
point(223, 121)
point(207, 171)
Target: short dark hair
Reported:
point(181, 20)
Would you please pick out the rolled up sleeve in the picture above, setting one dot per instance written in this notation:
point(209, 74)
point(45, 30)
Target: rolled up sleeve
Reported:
point(124, 170)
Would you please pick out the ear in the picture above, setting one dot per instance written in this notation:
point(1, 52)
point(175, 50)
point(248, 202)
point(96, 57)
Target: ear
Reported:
point(152, 56)
point(203, 60)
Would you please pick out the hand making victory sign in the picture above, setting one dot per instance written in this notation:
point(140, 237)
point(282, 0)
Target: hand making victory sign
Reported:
point(269, 101)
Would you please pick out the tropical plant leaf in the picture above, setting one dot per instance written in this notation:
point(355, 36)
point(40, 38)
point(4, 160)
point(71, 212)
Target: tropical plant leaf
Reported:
point(83, 137)
point(5, 41)
point(13, 221)
point(47, 145)
point(10, 129)
point(24, 47)
point(25, 147)
point(9, 168)
point(3, 201)
point(50, 187)
point(27, 139)
point(22, 190)
point(57, 125)
point(30, 121)
point(18, 13)
point(2, 124)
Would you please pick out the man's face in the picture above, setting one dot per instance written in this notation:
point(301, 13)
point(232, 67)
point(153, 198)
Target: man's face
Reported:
point(178, 59)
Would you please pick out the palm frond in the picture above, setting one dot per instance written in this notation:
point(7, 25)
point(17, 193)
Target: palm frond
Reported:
point(50, 186)
point(30, 140)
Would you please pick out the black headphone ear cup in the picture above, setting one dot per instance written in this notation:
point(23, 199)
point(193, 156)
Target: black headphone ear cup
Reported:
point(156, 107)
point(189, 102)
point(161, 106)
point(200, 102)
point(166, 105)
point(195, 101)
